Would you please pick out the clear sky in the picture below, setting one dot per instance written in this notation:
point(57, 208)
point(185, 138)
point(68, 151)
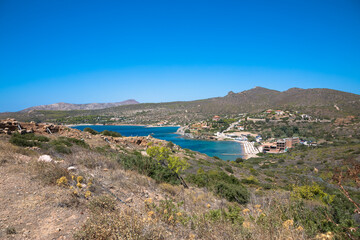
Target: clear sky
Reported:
point(156, 51)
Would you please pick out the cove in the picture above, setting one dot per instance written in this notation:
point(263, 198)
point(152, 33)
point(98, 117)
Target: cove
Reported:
point(226, 150)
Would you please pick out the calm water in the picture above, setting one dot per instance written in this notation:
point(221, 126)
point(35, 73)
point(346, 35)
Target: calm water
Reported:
point(226, 150)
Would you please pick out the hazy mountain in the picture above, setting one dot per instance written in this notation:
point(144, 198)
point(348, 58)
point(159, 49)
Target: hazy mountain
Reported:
point(88, 106)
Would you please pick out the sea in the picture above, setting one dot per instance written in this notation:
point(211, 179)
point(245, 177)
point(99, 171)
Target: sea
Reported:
point(226, 150)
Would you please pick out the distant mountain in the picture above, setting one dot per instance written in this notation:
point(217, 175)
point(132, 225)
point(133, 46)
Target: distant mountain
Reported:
point(88, 106)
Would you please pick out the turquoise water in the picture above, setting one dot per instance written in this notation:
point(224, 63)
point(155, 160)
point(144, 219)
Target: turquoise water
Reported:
point(226, 150)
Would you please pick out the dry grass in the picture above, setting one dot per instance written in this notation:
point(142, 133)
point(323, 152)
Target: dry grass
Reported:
point(48, 172)
point(106, 222)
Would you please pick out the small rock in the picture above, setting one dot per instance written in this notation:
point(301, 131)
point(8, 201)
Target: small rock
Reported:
point(45, 158)
point(129, 200)
point(72, 168)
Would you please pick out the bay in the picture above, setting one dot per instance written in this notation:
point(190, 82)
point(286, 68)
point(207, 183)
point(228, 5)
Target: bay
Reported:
point(226, 150)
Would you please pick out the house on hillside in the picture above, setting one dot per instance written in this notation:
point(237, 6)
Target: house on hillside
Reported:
point(216, 118)
point(279, 112)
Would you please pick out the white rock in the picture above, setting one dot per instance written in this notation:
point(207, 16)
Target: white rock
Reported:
point(72, 168)
point(45, 158)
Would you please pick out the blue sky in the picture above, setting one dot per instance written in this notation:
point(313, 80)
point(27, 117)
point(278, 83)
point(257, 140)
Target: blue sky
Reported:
point(156, 51)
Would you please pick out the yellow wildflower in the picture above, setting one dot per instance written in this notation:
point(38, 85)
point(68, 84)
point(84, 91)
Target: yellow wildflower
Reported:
point(165, 211)
point(257, 206)
point(148, 200)
point(179, 214)
point(170, 218)
point(208, 205)
point(327, 236)
point(62, 181)
point(300, 228)
point(72, 177)
point(79, 185)
point(246, 224)
point(80, 179)
point(150, 213)
point(246, 210)
point(288, 223)
point(259, 210)
point(87, 194)
point(191, 236)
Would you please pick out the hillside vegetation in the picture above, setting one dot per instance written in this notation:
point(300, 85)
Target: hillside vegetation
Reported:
point(114, 189)
point(323, 103)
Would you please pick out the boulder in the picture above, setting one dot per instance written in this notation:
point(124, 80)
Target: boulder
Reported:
point(45, 158)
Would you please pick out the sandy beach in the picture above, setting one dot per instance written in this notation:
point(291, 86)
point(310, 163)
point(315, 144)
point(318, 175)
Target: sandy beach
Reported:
point(248, 149)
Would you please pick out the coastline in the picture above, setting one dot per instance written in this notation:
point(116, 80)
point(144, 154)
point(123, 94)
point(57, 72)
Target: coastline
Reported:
point(119, 124)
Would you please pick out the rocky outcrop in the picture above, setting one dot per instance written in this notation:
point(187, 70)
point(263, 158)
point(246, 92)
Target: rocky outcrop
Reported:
point(10, 125)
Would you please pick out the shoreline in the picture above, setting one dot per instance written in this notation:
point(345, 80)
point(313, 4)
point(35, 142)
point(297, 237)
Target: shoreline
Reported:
point(248, 149)
point(138, 125)
point(245, 154)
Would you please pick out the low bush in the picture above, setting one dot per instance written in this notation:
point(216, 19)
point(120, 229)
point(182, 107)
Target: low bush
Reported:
point(313, 192)
point(228, 187)
point(49, 173)
point(148, 167)
point(27, 140)
point(90, 130)
point(250, 180)
point(62, 149)
point(111, 133)
point(102, 203)
point(10, 230)
point(229, 169)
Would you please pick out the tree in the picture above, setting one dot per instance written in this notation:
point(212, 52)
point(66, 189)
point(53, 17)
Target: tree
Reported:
point(177, 164)
point(174, 163)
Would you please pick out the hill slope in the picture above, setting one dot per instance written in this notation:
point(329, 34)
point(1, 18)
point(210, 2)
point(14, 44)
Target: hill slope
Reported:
point(318, 102)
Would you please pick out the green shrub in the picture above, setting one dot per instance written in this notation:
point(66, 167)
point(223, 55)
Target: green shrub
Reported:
point(313, 192)
point(102, 203)
point(62, 149)
point(233, 193)
point(229, 169)
point(61, 141)
point(228, 187)
point(250, 180)
point(90, 130)
point(10, 230)
point(111, 133)
point(231, 214)
point(170, 145)
point(149, 167)
point(78, 142)
point(27, 140)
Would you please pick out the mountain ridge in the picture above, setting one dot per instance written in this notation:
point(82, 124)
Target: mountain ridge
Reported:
point(317, 102)
point(62, 106)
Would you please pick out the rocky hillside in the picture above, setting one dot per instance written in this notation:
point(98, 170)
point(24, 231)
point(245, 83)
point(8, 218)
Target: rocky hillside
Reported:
point(83, 185)
point(318, 102)
point(88, 106)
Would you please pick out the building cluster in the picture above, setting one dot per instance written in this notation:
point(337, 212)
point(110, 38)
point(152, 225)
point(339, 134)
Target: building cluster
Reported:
point(280, 146)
